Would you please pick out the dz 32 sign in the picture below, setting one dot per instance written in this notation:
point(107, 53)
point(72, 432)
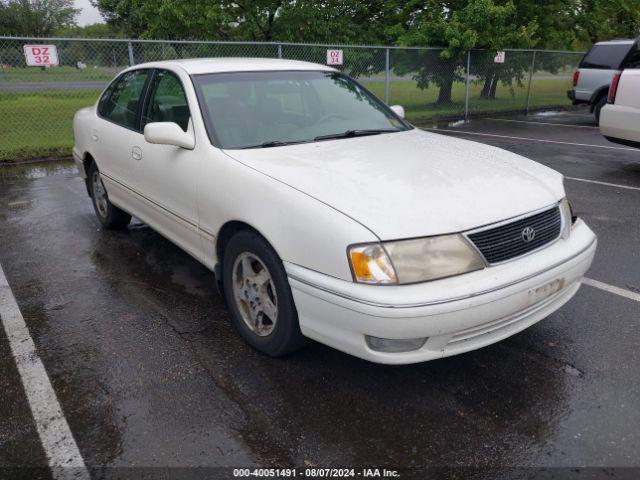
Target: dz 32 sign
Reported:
point(41, 55)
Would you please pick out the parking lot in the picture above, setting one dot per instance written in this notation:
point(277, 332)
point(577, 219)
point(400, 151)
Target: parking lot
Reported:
point(148, 372)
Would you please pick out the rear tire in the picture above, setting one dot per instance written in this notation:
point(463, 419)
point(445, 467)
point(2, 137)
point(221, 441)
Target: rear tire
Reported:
point(601, 102)
point(259, 296)
point(110, 216)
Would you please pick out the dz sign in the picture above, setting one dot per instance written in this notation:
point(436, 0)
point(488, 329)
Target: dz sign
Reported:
point(41, 55)
point(334, 57)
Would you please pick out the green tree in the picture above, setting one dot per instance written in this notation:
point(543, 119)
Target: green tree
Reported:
point(167, 19)
point(330, 21)
point(38, 18)
point(597, 20)
point(338, 21)
point(95, 30)
point(457, 26)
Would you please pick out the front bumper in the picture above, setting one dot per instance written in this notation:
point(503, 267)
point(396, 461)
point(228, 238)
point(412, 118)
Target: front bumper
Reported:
point(457, 314)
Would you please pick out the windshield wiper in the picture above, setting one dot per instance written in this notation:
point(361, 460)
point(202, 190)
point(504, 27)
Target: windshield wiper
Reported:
point(354, 133)
point(273, 143)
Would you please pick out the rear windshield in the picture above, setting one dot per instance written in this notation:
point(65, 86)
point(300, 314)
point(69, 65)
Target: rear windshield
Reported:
point(608, 56)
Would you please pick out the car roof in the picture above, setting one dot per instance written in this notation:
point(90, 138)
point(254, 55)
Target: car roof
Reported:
point(196, 66)
point(616, 42)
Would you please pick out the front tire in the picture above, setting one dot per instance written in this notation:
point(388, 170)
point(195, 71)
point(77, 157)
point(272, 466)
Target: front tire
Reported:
point(259, 296)
point(110, 216)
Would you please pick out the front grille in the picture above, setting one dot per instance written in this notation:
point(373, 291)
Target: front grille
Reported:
point(508, 241)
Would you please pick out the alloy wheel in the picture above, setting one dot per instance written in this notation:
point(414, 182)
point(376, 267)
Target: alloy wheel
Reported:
point(255, 294)
point(100, 195)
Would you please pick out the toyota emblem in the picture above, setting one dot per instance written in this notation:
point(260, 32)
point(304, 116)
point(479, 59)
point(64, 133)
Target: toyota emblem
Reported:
point(528, 234)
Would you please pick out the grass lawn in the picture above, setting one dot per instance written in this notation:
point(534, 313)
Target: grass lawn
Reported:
point(38, 124)
point(420, 104)
point(57, 74)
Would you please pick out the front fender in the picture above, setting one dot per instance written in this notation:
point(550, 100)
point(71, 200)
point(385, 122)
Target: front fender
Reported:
point(302, 230)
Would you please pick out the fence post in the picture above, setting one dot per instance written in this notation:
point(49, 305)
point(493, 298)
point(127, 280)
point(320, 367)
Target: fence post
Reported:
point(387, 75)
point(533, 65)
point(131, 59)
point(279, 50)
point(466, 92)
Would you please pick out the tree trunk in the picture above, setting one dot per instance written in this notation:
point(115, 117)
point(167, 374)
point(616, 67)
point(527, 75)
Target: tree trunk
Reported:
point(486, 88)
point(492, 92)
point(444, 95)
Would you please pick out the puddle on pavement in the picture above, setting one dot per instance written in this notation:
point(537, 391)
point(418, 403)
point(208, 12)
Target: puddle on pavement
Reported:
point(30, 171)
point(549, 113)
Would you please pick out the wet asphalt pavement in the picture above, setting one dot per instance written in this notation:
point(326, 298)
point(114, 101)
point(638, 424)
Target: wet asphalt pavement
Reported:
point(140, 352)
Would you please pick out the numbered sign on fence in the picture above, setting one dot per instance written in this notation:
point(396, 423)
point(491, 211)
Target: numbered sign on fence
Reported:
point(499, 57)
point(41, 55)
point(334, 57)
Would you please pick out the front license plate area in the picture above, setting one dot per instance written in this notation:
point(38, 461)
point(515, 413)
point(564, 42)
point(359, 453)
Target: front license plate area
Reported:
point(544, 291)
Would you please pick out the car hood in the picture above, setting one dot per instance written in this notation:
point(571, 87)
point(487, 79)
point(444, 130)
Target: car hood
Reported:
point(412, 183)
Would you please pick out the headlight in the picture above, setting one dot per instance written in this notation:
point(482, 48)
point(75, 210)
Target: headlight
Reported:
point(371, 264)
point(412, 261)
point(567, 215)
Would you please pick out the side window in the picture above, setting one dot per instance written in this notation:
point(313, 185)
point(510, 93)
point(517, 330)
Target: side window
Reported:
point(167, 102)
point(120, 102)
point(634, 58)
point(104, 99)
point(606, 56)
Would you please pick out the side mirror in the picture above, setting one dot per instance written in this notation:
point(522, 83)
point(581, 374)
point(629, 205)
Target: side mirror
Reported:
point(169, 133)
point(398, 110)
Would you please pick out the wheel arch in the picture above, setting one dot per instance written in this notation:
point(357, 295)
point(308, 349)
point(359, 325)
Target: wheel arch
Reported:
point(87, 160)
point(226, 232)
point(597, 95)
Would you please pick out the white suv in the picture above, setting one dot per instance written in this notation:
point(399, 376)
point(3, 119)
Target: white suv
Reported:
point(620, 120)
point(596, 71)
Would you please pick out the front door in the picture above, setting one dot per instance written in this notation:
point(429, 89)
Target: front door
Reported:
point(166, 176)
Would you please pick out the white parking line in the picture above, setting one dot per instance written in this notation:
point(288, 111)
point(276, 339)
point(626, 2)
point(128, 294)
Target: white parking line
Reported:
point(464, 132)
point(533, 122)
point(57, 440)
point(606, 184)
point(612, 289)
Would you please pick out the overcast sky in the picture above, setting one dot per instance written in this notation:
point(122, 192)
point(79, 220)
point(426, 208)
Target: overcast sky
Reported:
point(88, 13)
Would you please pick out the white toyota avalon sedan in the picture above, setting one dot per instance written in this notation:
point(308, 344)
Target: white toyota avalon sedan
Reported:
point(325, 215)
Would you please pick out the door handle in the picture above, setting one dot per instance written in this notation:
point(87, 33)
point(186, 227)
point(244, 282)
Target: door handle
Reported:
point(94, 135)
point(136, 153)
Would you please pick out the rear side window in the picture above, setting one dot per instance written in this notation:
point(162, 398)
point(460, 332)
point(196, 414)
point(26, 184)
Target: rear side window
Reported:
point(608, 56)
point(634, 58)
point(120, 102)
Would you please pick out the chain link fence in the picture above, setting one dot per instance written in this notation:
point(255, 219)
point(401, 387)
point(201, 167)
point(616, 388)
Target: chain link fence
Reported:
point(37, 103)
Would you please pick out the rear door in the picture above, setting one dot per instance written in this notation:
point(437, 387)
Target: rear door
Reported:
point(118, 118)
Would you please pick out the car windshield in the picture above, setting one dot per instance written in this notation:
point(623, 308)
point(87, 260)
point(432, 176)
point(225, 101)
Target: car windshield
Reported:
point(266, 109)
